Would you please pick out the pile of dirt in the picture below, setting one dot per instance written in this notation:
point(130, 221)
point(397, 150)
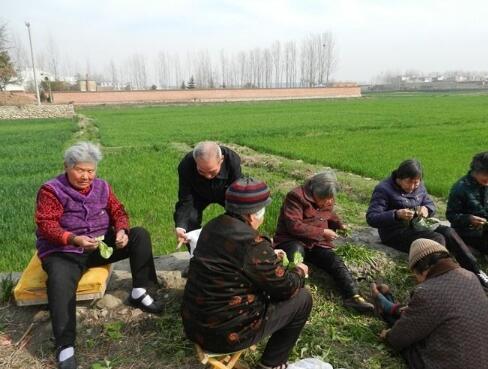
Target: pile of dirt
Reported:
point(8, 98)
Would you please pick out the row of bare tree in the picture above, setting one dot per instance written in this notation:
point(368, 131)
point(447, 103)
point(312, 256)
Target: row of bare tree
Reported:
point(307, 63)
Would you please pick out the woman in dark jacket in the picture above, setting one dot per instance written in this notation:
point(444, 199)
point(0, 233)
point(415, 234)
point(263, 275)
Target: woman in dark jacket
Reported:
point(238, 291)
point(397, 200)
point(467, 207)
point(445, 324)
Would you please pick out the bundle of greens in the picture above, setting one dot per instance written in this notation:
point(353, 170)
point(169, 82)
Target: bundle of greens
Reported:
point(105, 250)
point(425, 224)
point(297, 259)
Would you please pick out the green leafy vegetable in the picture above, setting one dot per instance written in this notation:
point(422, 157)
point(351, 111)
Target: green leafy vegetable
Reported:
point(297, 259)
point(285, 260)
point(344, 232)
point(421, 223)
point(105, 250)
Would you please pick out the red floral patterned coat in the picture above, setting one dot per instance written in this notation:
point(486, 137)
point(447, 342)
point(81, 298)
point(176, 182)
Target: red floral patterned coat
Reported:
point(233, 279)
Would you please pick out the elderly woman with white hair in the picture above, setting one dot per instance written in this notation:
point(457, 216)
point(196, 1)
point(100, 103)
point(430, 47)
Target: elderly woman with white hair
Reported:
point(73, 211)
point(307, 224)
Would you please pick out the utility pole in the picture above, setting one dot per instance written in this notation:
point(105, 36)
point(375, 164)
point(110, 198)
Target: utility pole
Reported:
point(27, 24)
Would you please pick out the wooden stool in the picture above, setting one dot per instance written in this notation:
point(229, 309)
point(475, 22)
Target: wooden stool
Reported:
point(223, 360)
point(31, 287)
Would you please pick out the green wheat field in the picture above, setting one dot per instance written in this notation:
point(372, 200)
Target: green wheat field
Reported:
point(142, 146)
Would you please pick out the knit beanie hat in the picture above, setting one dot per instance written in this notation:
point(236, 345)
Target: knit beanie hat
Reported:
point(422, 247)
point(247, 196)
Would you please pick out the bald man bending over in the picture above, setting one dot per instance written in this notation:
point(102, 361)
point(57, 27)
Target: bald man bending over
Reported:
point(204, 175)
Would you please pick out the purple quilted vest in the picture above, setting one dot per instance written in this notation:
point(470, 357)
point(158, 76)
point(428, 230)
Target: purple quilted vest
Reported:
point(83, 214)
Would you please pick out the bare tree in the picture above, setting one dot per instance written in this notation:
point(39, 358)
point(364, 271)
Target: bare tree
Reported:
point(162, 70)
point(243, 69)
point(330, 57)
point(7, 69)
point(290, 55)
point(276, 53)
point(138, 73)
point(204, 76)
point(53, 58)
point(114, 75)
point(3, 37)
point(267, 68)
point(20, 57)
point(224, 69)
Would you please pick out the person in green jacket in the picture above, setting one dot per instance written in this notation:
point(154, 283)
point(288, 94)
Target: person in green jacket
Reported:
point(467, 206)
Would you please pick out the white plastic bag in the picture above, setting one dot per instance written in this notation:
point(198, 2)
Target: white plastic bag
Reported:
point(192, 237)
point(310, 363)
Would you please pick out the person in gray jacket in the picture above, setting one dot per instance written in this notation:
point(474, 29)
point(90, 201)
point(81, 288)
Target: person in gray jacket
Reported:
point(445, 324)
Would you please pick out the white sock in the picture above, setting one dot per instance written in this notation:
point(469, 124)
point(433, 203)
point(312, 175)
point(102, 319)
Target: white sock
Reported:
point(66, 353)
point(147, 300)
point(138, 292)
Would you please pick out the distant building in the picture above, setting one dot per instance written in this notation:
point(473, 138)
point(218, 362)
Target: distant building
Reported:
point(87, 85)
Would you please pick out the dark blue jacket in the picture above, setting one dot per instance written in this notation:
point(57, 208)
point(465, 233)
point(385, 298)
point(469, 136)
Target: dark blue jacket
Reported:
point(388, 197)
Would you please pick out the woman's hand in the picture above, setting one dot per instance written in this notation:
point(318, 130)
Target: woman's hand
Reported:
point(121, 239)
point(383, 334)
point(304, 268)
point(330, 235)
point(476, 222)
point(404, 214)
point(424, 211)
point(280, 254)
point(85, 242)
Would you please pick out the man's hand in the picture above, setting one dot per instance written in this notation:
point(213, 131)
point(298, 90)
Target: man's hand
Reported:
point(330, 235)
point(85, 242)
point(181, 235)
point(121, 239)
point(404, 214)
point(476, 221)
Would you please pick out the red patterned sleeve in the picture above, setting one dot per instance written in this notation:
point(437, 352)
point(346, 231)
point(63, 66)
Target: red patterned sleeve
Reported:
point(48, 214)
point(118, 216)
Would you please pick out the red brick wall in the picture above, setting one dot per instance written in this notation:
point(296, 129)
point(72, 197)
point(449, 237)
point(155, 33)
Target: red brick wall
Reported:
point(172, 96)
point(175, 96)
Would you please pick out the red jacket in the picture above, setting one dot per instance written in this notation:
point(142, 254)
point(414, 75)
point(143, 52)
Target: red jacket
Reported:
point(300, 219)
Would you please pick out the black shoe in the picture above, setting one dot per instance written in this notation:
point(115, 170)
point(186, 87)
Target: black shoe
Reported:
point(69, 363)
point(359, 304)
point(154, 308)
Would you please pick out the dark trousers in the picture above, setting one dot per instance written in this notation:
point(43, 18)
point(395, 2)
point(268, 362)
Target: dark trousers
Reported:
point(327, 260)
point(196, 215)
point(445, 236)
point(478, 240)
point(64, 271)
point(285, 321)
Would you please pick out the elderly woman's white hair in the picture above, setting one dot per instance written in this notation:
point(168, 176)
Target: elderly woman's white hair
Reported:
point(323, 184)
point(82, 152)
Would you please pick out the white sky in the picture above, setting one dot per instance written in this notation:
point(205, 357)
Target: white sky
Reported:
point(372, 36)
